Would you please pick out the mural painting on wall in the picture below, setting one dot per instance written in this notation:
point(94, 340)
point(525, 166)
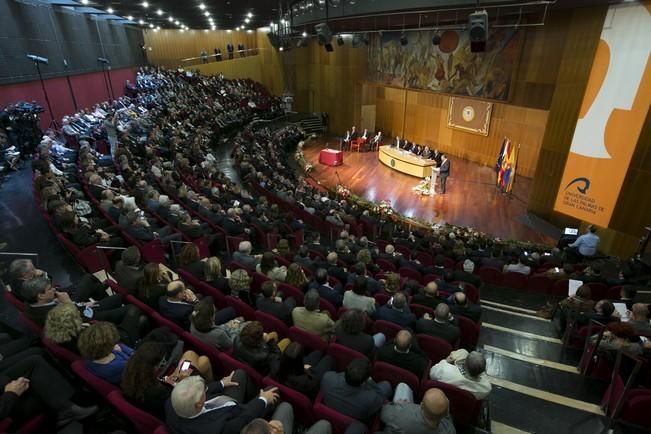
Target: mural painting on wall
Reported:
point(449, 67)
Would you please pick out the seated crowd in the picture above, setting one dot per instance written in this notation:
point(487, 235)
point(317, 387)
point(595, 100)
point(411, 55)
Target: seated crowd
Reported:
point(396, 305)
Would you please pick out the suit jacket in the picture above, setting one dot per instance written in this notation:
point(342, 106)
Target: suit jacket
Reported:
point(247, 260)
point(179, 312)
point(127, 277)
point(424, 300)
point(402, 318)
point(333, 295)
point(472, 311)
point(361, 403)
point(338, 273)
point(232, 227)
point(362, 343)
point(445, 169)
point(446, 331)
point(464, 276)
point(225, 420)
point(280, 310)
point(414, 361)
point(318, 323)
point(408, 418)
point(140, 233)
point(437, 158)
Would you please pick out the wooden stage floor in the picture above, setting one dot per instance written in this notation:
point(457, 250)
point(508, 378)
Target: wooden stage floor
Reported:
point(471, 198)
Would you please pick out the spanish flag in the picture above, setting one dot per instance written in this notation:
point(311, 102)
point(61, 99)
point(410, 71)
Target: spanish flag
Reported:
point(502, 161)
point(509, 173)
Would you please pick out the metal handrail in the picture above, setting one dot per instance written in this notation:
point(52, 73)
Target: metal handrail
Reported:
point(32, 255)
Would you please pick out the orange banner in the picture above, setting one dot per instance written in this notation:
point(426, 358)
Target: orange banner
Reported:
point(614, 108)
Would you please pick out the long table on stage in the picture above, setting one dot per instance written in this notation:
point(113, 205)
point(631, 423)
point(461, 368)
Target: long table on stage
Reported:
point(406, 162)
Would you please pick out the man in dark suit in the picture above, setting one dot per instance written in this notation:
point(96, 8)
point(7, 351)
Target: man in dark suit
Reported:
point(408, 146)
point(351, 393)
point(335, 270)
point(466, 275)
point(303, 259)
point(177, 305)
point(397, 312)
point(269, 303)
point(436, 156)
point(316, 244)
point(128, 270)
point(461, 306)
point(402, 353)
point(445, 172)
point(429, 297)
point(333, 295)
point(441, 326)
point(218, 408)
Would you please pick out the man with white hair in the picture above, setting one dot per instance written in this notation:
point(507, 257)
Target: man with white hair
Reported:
point(197, 408)
point(464, 370)
point(467, 274)
point(244, 256)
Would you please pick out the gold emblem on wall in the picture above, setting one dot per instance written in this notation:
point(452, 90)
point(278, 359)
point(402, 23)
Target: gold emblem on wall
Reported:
point(470, 115)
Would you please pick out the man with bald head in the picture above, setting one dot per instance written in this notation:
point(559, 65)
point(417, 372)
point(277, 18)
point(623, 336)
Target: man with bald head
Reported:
point(461, 306)
point(430, 417)
point(429, 296)
point(464, 370)
point(441, 326)
point(402, 353)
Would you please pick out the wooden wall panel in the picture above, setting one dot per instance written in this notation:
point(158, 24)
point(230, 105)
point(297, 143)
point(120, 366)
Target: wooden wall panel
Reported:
point(246, 67)
point(169, 46)
point(424, 120)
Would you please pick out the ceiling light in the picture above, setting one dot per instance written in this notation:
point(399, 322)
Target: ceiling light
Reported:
point(145, 4)
point(246, 20)
point(207, 13)
point(171, 19)
point(202, 6)
point(182, 30)
point(130, 18)
point(109, 10)
point(84, 2)
point(141, 22)
point(304, 34)
point(228, 31)
point(249, 31)
point(213, 28)
point(159, 12)
point(249, 15)
point(151, 26)
point(237, 28)
point(177, 22)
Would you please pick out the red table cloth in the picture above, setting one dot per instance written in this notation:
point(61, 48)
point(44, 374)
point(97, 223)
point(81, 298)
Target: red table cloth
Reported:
point(331, 157)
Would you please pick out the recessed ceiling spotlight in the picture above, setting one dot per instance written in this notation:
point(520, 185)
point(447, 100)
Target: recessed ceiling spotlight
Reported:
point(177, 22)
point(145, 4)
point(141, 22)
point(207, 13)
point(249, 31)
point(249, 15)
point(109, 10)
point(84, 2)
point(130, 18)
point(246, 20)
point(237, 28)
point(202, 6)
point(151, 26)
point(159, 12)
point(171, 19)
point(304, 34)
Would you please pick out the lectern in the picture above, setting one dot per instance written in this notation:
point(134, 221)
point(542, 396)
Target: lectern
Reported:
point(432, 186)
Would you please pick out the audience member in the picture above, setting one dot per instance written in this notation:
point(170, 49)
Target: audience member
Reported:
point(206, 326)
point(403, 353)
point(441, 326)
point(397, 311)
point(350, 333)
point(430, 417)
point(303, 373)
point(106, 357)
point(461, 306)
point(464, 370)
point(356, 298)
point(128, 270)
point(269, 302)
point(259, 350)
point(309, 318)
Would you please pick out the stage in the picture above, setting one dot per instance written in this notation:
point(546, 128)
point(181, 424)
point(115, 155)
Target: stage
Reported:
point(471, 198)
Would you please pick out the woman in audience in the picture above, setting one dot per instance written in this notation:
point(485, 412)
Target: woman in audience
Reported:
point(212, 275)
point(303, 373)
point(152, 285)
point(240, 285)
point(392, 285)
point(63, 325)
point(107, 357)
point(83, 235)
point(349, 331)
point(357, 298)
point(190, 260)
point(204, 327)
point(143, 382)
point(364, 256)
point(258, 349)
point(270, 268)
point(577, 303)
point(296, 277)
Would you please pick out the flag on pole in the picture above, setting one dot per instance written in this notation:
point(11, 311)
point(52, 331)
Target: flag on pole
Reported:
point(506, 150)
point(510, 177)
point(500, 156)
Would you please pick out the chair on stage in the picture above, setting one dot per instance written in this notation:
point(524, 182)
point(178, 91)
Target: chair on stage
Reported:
point(356, 144)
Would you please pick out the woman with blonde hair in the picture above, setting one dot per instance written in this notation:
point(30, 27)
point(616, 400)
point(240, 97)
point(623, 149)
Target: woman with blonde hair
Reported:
point(392, 283)
point(212, 273)
point(63, 325)
point(364, 256)
point(240, 284)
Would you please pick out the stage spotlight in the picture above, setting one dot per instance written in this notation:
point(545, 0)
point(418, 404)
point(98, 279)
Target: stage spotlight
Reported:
point(403, 39)
point(38, 59)
point(478, 31)
point(436, 39)
point(340, 40)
